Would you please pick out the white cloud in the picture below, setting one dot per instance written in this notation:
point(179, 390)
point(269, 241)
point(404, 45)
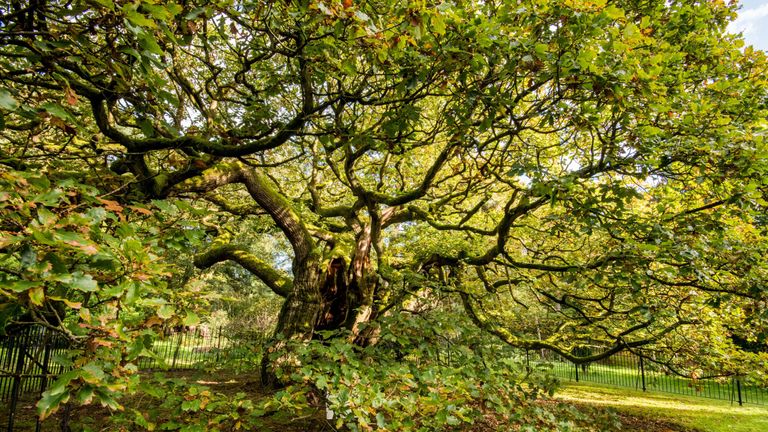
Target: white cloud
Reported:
point(752, 22)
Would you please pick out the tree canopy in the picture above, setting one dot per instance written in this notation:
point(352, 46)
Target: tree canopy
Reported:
point(597, 167)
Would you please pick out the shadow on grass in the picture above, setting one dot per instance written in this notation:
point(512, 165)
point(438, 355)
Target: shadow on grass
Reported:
point(699, 413)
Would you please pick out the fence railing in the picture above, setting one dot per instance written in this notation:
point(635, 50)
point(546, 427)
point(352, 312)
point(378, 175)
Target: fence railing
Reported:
point(639, 371)
point(197, 348)
point(29, 360)
point(27, 365)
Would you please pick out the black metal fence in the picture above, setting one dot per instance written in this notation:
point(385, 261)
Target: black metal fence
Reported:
point(32, 357)
point(197, 348)
point(640, 371)
point(27, 365)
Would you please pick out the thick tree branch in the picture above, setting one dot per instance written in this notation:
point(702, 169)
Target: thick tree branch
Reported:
point(277, 206)
point(278, 282)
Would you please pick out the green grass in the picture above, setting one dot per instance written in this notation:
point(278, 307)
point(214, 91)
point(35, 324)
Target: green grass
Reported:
point(705, 415)
point(194, 352)
point(629, 377)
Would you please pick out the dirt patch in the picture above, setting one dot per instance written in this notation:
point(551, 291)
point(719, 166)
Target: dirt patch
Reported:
point(646, 424)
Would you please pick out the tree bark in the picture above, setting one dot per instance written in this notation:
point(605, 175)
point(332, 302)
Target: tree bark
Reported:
point(297, 319)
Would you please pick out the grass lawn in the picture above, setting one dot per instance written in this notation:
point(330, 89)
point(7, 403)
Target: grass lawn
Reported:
point(627, 374)
point(700, 414)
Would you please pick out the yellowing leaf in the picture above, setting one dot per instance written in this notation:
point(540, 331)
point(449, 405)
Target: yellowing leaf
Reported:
point(191, 319)
point(37, 295)
point(166, 311)
point(70, 96)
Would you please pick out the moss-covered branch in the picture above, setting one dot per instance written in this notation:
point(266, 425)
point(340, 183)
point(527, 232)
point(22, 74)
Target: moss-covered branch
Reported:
point(278, 282)
point(277, 206)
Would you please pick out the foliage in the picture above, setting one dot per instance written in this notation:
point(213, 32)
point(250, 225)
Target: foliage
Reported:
point(403, 384)
point(87, 266)
point(175, 405)
point(565, 172)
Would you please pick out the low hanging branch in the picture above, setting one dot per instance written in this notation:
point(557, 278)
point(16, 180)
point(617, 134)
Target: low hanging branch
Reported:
point(278, 282)
point(506, 336)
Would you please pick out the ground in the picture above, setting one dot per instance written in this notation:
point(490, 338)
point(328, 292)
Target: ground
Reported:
point(637, 411)
point(686, 412)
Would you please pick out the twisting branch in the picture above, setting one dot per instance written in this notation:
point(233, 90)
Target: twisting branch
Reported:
point(278, 282)
point(277, 206)
point(506, 336)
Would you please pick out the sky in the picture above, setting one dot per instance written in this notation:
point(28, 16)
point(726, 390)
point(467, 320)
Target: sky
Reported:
point(753, 21)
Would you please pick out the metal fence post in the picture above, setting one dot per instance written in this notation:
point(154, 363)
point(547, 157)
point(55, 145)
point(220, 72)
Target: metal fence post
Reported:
point(176, 352)
point(642, 371)
point(17, 376)
point(218, 345)
point(44, 377)
point(528, 361)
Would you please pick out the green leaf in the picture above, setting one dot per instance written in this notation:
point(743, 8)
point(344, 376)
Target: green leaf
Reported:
point(59, 111)
point(191, 319)
point(7, 101)
point(613, 12)
point(50, 198)
point(21, 285)
point(94, 374)
point(146, 128)
point(191, 405)
point(45, 216)
point(165, 207)
point(44, 237)
point(148, 43)
point(166, 311)
point(50, 402)
point(107, 4)
point(381, 421)
point(28, 256)
point(140, 420)
point(137, 18)
point(194, 13)
point(84, 396)
point(107, 400)
point(83, 282)
point(62, 381)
